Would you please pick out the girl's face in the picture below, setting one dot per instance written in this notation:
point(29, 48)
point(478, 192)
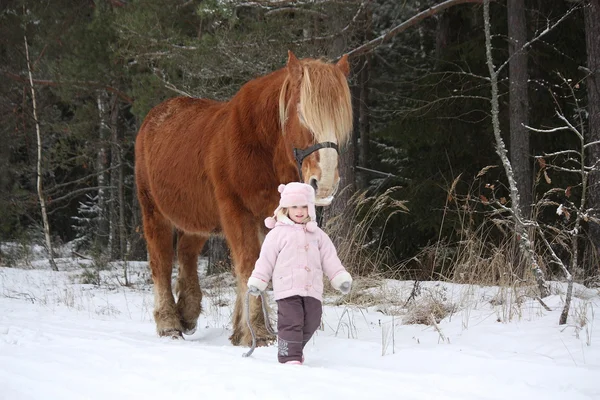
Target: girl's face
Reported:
point(298, 213)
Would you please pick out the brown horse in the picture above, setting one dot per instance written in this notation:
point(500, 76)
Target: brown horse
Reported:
point(205, 167)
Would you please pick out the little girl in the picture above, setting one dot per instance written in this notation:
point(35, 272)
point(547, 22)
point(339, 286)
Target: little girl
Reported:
point(295, 254)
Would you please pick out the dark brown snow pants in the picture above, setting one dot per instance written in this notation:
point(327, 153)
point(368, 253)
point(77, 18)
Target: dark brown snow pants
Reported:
point(297, 320)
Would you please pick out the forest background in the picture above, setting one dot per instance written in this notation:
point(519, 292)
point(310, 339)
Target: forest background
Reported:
point(426, 190)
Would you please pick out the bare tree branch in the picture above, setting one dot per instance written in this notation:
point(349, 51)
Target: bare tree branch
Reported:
point(371, 45)
point(78, 192)
point(45, 82)
point(363, 5)
point(538, 37)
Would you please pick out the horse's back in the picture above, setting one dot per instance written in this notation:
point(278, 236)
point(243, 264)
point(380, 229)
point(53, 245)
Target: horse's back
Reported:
point(172, 113)
point(171, 127)
point(171, 148)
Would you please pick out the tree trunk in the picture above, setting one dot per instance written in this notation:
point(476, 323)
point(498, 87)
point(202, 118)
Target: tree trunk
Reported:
point(442, 34)
point(347, 185)
point(122, 225)
point(520, 229)
point(114, 202)
point(519, 104)
point(219, 258)
point(40, 190)
point(519, 112)
point(363, 121)
point(102, 235)
point(137, 244)
point(592, 33)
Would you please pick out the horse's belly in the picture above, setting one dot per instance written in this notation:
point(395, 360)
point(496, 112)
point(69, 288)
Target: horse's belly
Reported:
point(191, 209)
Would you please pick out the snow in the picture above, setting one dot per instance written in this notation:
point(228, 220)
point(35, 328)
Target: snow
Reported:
point(61, 339)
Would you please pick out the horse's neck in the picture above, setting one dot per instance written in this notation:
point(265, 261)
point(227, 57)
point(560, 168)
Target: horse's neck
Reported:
point(259, 98)
point(259, 103)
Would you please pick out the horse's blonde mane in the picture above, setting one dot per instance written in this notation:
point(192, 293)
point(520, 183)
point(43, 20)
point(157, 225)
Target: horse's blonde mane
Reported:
point(325, 102)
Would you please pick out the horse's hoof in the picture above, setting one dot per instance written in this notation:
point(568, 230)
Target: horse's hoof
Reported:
point(171, 333)
point(235, 340)
point(189, 329)
point(264, 342)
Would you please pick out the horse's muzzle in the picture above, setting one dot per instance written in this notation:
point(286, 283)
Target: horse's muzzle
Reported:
point(324, 201)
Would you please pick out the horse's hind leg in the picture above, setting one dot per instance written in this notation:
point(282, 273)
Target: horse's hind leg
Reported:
point(189, 295)
point(159, 238)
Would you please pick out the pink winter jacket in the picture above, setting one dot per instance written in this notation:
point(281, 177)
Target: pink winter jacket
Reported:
point(296, 260)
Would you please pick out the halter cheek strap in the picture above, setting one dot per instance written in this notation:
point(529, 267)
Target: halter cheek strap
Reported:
point(301, 154)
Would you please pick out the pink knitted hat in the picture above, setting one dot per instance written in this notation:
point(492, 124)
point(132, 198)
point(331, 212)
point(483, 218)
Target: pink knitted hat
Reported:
point(296, 194)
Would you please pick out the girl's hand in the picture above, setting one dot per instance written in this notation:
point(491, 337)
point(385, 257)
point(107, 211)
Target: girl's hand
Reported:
point(345, 287)
point(256, 285)
point(253, 290)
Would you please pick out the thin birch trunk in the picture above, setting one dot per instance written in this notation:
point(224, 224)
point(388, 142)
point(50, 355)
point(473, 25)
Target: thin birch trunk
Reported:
point(103, 234)
point(114, 203)
point(40, 190)
point(122, 226)
point(580, 212)
point(520, 224)
point(137, 245)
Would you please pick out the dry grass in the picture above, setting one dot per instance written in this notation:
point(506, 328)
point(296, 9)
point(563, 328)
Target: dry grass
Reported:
point(357, 231)
point(432, 307)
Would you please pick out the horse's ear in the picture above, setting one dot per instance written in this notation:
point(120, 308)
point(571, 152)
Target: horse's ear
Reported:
point(293, 65)
point(343, 65)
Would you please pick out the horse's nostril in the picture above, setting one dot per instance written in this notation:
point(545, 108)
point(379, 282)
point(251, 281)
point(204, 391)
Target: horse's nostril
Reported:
point(313, 183)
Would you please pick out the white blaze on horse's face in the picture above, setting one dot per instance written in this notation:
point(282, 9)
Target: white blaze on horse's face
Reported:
point(323, 175)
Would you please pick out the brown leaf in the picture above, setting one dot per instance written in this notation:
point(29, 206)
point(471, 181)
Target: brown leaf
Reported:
point(502, 200)
point(542, 162)
point(483, 199)
point(568, 191)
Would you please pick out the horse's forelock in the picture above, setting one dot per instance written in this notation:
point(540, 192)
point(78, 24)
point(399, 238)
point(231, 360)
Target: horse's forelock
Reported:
point(283, 105)
point(325, 102)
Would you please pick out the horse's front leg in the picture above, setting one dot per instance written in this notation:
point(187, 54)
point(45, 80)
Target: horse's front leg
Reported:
point(244, 235)
point(241, 335)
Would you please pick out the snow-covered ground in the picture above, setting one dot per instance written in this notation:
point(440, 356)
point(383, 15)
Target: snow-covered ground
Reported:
point(61, 339)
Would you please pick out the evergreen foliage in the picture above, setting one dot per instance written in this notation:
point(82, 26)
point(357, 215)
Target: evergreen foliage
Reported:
point(101, 65)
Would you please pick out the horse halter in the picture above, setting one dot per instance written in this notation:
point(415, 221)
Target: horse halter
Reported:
point(301, 154)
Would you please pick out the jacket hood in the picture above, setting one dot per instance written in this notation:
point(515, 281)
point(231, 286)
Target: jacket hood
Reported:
point(294, 194)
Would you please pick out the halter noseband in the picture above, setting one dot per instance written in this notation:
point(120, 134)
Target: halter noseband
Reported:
point(300, 154)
